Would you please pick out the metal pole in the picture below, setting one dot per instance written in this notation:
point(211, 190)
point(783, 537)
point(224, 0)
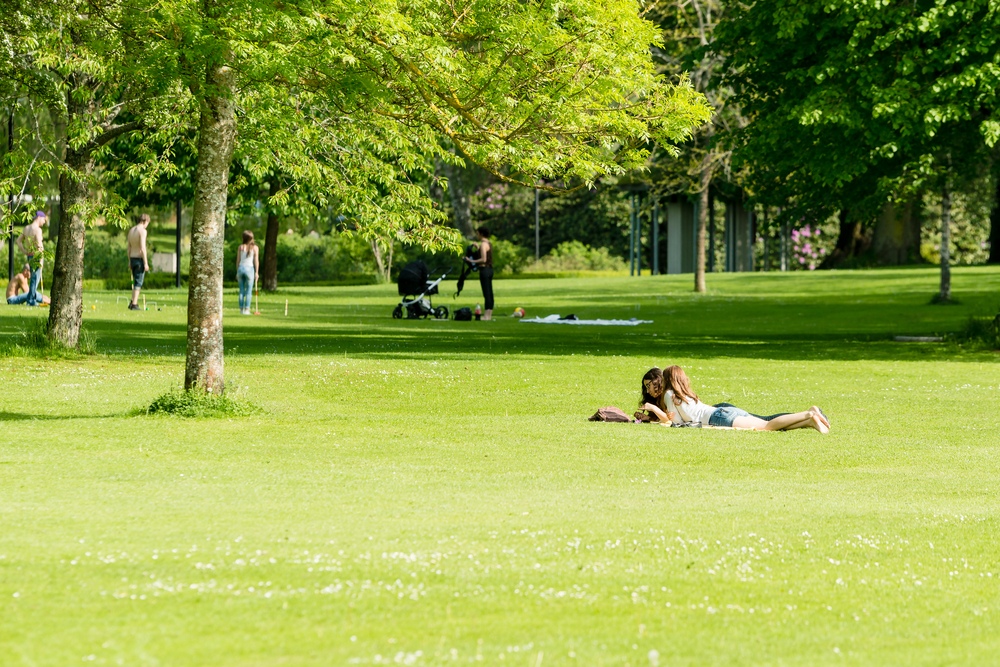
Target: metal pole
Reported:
point(766, 235)
point(631, 235)
point(656, 236)
point(638, 234)
point(178, 243)
point(538, 245)
point(10, 226)
point(694, 239)
point(711, 232)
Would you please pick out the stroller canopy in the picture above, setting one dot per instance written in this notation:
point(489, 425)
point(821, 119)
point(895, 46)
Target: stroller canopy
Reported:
point(413, 278)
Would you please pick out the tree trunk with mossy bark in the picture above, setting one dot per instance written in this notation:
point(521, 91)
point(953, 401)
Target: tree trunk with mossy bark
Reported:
point(66, 309)
point(216, 139)
point(995, 227)
point(699, 266)
point(851, 242)
point(270, 272)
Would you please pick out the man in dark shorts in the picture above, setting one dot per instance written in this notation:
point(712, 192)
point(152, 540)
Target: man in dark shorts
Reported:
point(137, 263)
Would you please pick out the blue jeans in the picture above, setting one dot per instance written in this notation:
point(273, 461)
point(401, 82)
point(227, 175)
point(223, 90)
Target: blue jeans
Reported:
point(31, 296)
point(766, 418)
point(244, 274)
point(726, 416)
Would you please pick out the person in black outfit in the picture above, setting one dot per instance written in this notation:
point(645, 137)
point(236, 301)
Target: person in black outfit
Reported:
point(485, 262)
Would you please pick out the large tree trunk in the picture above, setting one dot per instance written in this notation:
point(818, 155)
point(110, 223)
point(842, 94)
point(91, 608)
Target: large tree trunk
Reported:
point(216, 137)
point(458, 189)
point(995, 227)
point(945, 294)
point(896, 239)
point(851, 242)
point(66, 310)
point(699, 257)
point(270, 273)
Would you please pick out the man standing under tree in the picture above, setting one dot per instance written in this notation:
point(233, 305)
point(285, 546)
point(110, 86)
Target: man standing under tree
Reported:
point(30, 243)
point(137, 262)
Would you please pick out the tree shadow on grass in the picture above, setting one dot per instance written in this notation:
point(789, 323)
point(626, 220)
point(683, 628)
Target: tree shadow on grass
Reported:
point(25, 416)
point(424, 340)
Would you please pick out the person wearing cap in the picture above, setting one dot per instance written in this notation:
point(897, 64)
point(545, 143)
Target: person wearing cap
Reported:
point(17, 288)
point(31, 244)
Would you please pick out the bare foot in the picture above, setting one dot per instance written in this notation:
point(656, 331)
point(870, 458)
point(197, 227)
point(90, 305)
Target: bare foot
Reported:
point(817, 423)
point(822, 417)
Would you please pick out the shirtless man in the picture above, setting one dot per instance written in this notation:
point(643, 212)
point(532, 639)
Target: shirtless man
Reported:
point(20, 284)
point(137, 262)
point(30, 242)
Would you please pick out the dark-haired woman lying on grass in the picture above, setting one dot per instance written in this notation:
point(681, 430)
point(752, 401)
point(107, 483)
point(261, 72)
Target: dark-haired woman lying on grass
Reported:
point(668, 395)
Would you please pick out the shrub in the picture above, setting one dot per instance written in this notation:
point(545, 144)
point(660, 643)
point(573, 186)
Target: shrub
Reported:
point(577, 256)
point(305, 259)
point(197, 403)
point(981, 332)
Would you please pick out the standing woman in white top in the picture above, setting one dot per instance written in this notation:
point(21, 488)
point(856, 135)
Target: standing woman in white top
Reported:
point(246, 270)
point(674, 393)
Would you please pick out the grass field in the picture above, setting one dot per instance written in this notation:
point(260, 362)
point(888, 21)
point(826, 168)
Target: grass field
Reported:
point(430, 493)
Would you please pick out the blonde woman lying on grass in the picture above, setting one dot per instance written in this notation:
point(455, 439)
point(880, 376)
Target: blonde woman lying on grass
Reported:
point(668, 395)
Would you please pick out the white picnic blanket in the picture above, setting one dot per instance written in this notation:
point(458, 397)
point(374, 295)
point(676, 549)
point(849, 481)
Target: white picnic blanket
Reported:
point(554, 319)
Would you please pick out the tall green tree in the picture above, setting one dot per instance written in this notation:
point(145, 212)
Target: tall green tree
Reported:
point(858, 103)
point(688, 48)
point(358, 97)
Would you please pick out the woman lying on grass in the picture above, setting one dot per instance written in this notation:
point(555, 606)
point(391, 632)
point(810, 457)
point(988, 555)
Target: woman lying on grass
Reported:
point(672, 387)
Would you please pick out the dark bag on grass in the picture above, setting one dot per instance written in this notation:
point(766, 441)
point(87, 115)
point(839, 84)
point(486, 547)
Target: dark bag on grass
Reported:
point(610, 414)
point(463, 315)
point(686, 425)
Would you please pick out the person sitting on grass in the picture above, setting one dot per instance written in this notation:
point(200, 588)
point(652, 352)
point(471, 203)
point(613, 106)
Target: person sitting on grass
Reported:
point(21, 283)
point(675, 401)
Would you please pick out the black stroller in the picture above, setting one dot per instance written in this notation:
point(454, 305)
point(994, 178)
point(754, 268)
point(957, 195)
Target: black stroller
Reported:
point(414, 280)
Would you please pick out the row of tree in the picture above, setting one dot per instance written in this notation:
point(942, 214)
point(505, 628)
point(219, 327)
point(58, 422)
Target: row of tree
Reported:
point(848, 108)
point(336, 102)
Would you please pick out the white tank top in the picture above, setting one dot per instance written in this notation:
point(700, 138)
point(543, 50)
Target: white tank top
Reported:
point(246, 259)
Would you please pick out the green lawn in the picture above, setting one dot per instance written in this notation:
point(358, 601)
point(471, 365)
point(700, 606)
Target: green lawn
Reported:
point(430, 493)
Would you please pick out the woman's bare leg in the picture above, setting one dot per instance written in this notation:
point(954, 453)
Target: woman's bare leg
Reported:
point(807, 419)
point(755, 423)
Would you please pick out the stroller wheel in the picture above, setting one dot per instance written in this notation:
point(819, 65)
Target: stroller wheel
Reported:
point(441, 313)
point(397, 312)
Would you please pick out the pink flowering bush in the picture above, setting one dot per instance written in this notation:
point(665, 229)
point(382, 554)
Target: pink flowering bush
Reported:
point(807, 253)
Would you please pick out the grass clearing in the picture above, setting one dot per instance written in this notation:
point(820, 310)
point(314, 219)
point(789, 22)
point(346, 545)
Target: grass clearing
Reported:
point(430, 493)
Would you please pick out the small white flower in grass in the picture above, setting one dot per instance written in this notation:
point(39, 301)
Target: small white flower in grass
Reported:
point(654, 658)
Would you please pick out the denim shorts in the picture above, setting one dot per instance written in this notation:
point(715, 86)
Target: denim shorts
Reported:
point(137, 266)
point(726, 416)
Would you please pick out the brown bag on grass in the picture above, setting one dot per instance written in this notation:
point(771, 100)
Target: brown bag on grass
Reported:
point(610, 414)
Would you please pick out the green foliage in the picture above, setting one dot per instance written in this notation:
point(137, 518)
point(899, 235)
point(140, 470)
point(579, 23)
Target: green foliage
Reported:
point(199, 404)
point(576, 256)
point(854, 102)
point(105, 256)
point(597, 216)
point(306, 259)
